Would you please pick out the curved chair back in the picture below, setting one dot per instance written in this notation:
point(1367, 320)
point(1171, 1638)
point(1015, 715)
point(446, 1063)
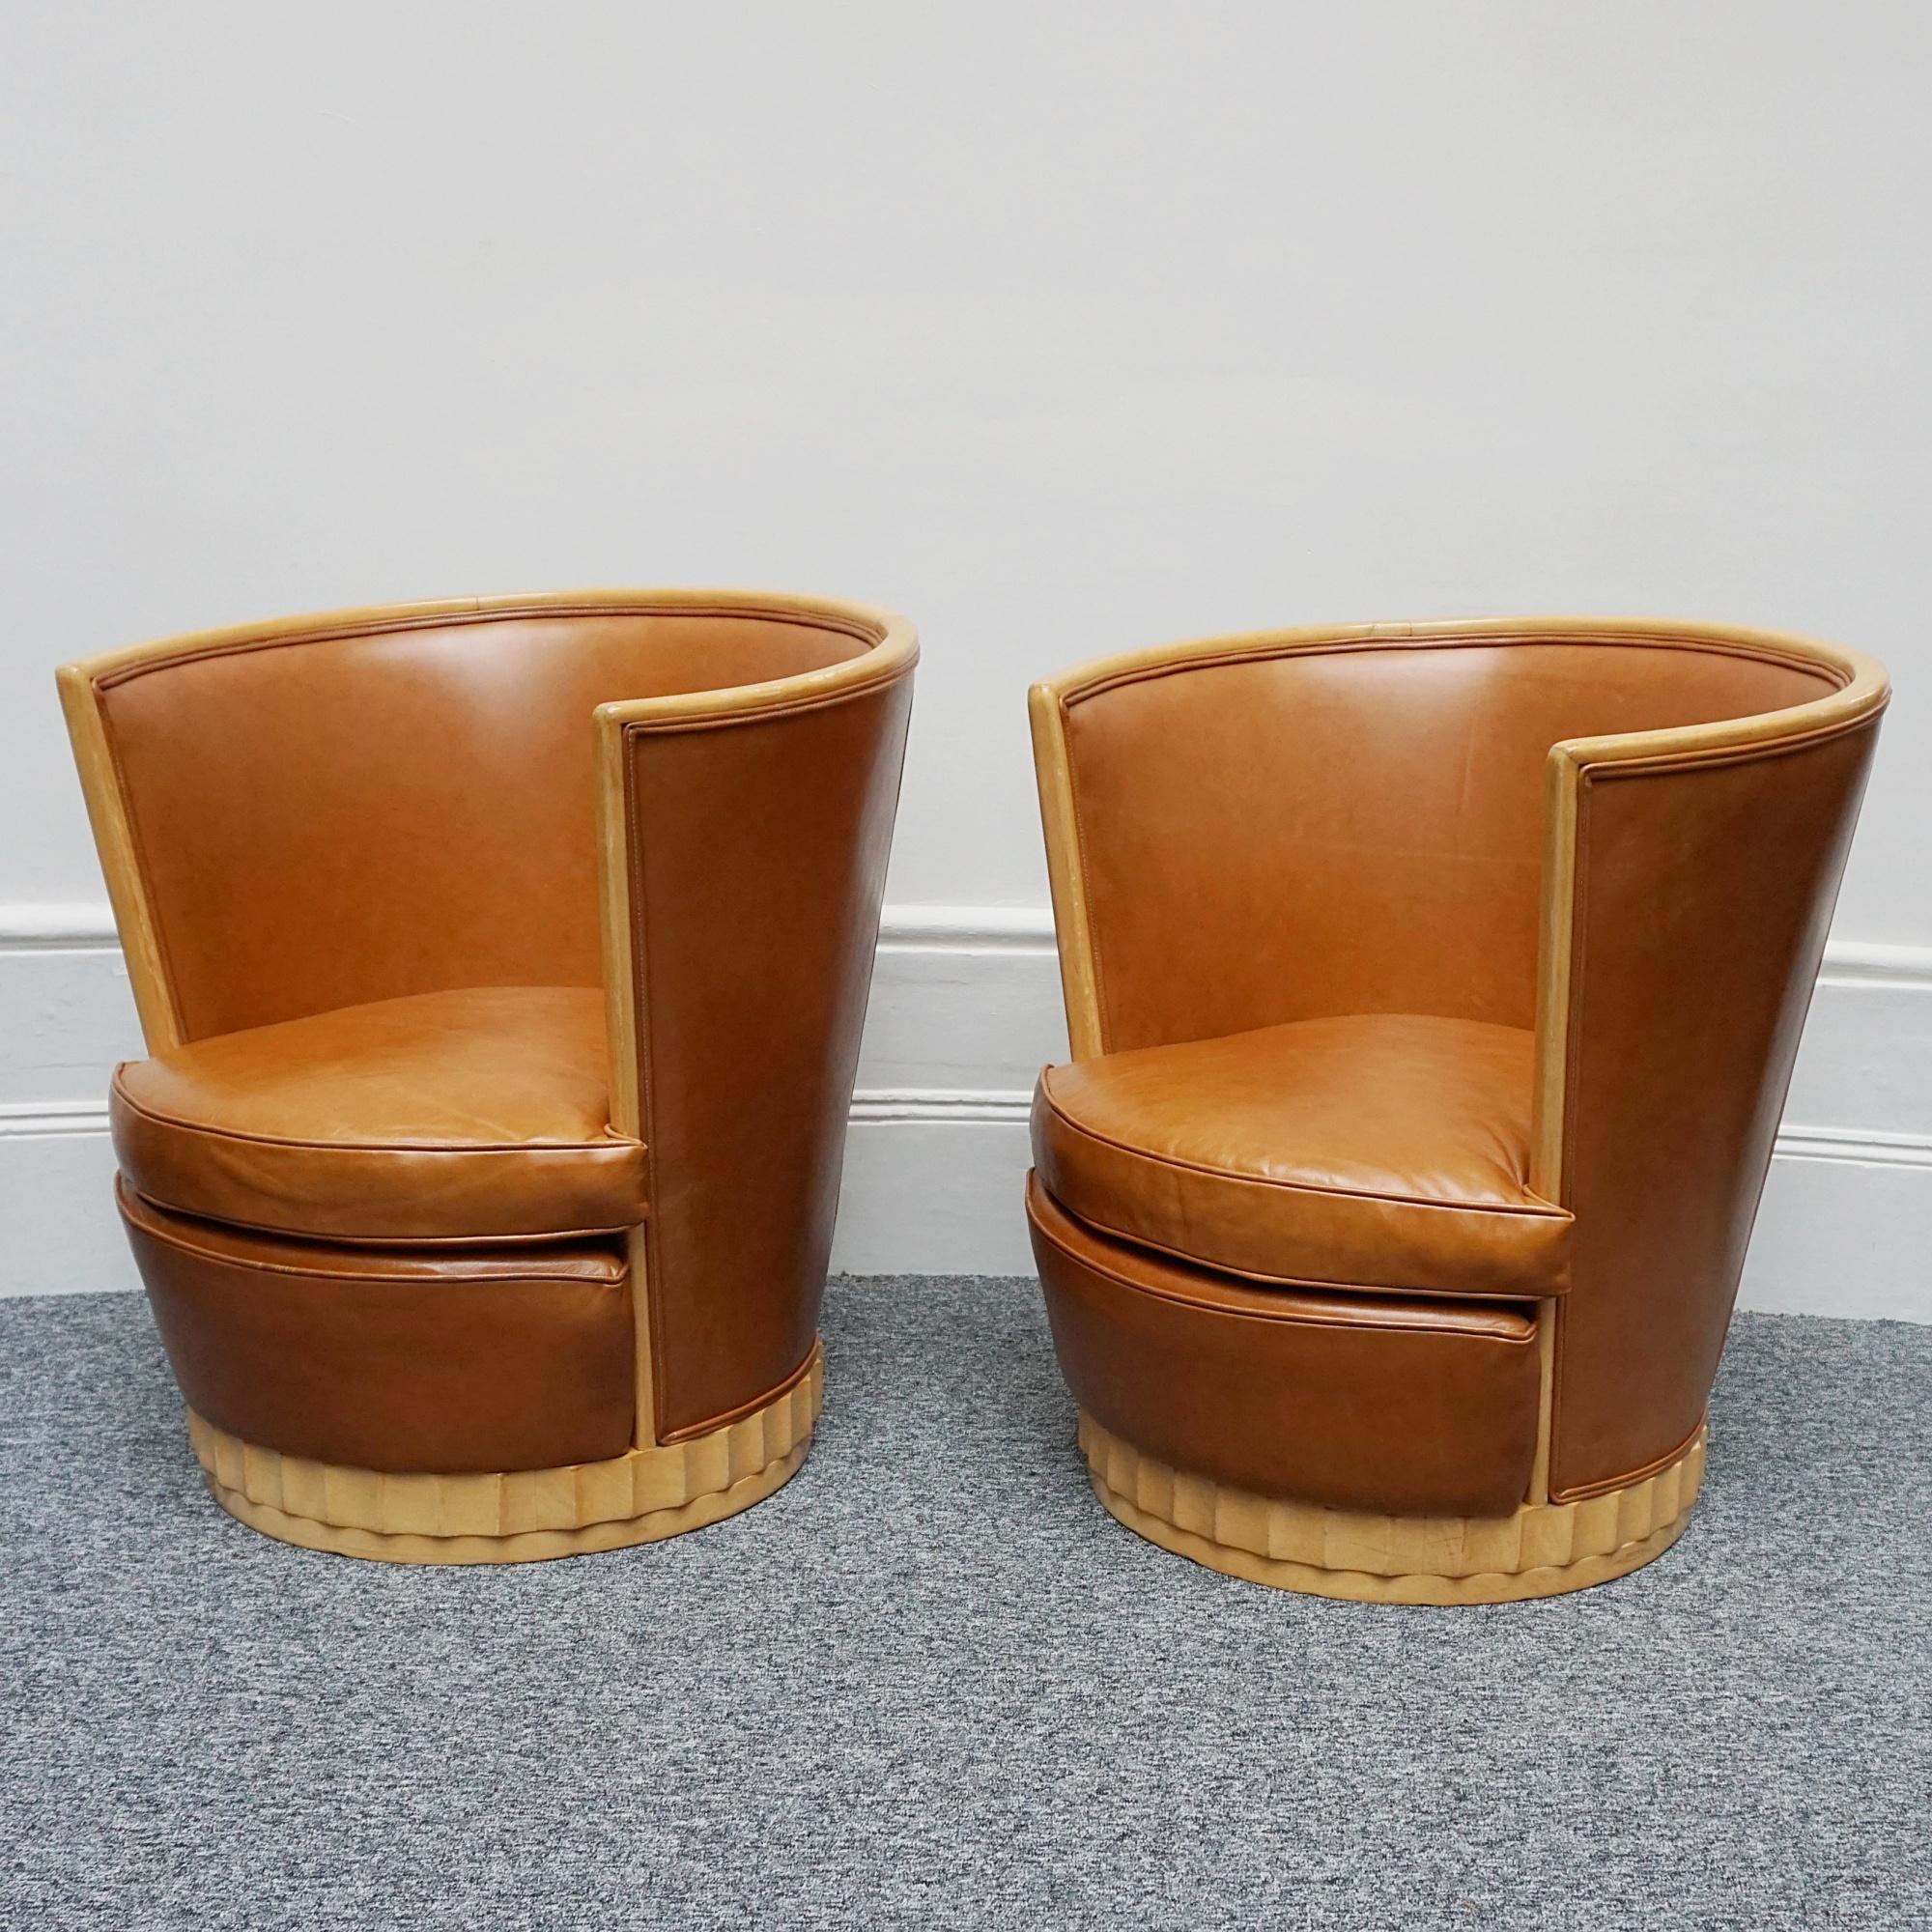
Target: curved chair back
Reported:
point(1353, 819)
point(334, 810)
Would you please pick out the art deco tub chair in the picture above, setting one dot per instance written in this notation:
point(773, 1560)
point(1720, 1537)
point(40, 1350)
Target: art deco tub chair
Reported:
point(502, 966)
point(1433, 992)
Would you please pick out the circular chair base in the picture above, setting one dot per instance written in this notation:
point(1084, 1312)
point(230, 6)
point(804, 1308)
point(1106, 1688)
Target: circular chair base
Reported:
point(523, 1516)
point(1543, 1551)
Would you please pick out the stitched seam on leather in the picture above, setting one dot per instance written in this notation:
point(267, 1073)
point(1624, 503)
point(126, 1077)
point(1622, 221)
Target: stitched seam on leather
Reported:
point(859, 687)
point(1311, 1281)
point(1265, 652)
point(1572, 1080)
point(1544, 1213)
point(1085, 909)
point(1284, 1316)
point(169, 1239)
point(492, 1238)
point(390, 1279)
point(1608, 1484)
point(693, 1430)
point(144, 875)
point(646, 1084)
point(513, 614)
point(1736, 754)
point(460, 1149)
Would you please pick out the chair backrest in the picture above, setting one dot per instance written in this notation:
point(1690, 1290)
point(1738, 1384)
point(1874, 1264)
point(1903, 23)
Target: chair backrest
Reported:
point(315, 813)
point(1290, 827)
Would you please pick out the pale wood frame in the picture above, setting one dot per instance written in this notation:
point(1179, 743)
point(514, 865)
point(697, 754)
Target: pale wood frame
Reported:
point(1542, 1550)
point(888, 646)
point(1861, 691)
point(520, 1515)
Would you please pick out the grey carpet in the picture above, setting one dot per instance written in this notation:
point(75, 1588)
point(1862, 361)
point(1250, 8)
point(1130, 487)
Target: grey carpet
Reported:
point(930, 1684)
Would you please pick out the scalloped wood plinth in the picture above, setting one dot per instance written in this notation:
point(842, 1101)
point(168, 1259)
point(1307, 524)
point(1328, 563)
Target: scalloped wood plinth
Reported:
point(523, 1516)
point(1541, 1550)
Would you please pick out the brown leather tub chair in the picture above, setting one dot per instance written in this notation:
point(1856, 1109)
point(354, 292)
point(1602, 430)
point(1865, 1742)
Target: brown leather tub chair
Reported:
point(502, 965)
point(1432, 990)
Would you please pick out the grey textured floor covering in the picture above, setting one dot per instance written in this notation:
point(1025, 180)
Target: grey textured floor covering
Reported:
point(930, 1684)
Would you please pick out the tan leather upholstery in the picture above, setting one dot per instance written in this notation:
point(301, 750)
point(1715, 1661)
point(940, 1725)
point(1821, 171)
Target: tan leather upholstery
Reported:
point(1350, 830)
point(1702, 896)
point(753, 953)
point(1370, 1402)
point(446, 1359)
point(488, 954)
point(388, 804)
point(1463, 960)
point(1382, 1150)
point(461, 1116)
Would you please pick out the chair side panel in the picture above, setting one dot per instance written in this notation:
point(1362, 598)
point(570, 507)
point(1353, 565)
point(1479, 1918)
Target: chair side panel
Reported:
point(756, 846)
point(1703, 891)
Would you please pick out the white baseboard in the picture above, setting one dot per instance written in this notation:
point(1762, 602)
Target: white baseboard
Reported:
point(965, 1010)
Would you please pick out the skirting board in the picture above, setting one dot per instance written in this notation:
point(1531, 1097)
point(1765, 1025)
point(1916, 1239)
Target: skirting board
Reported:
point(965, 1010)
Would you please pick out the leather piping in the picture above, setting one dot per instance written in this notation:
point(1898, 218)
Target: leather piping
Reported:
point(1605, 1485)
point(1153, 1247)
point(1341, 1319)
point(1548, 1211)
point(611, 1143)
point(693, 1430)
point(739, 714)
point(1079, 816)
point(131, 1202)
point(539, 1238)
point(1262, 646)
point(137, 849)
point(482, 610)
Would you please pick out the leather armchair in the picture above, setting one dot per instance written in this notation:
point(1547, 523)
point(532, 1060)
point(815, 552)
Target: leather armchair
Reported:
point(501, 965)
point(1432, 991)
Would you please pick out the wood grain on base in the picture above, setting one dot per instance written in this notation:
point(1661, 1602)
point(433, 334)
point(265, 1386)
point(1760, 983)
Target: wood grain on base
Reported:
point(522, 1515)
point(1541, 1550)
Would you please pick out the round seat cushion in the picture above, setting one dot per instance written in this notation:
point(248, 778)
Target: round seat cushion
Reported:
point(1410, 1404)
point(479, 1356)
point(476, 1114)
point(1369, 1150)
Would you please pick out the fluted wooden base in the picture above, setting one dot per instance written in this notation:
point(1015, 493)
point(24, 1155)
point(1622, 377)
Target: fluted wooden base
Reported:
point(524, 1515)
point(1541, 1550)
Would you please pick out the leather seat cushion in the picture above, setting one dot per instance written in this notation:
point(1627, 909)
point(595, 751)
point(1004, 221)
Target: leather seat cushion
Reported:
point(1371, 1151)
point(473, 1358)
point(1410, 1404)
point(473, 1115)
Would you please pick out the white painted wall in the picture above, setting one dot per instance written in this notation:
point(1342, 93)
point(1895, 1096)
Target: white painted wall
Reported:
point(1062, 328)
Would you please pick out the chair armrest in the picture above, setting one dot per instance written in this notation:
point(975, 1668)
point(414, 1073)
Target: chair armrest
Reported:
point(743, 844)
point(1689, 881)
